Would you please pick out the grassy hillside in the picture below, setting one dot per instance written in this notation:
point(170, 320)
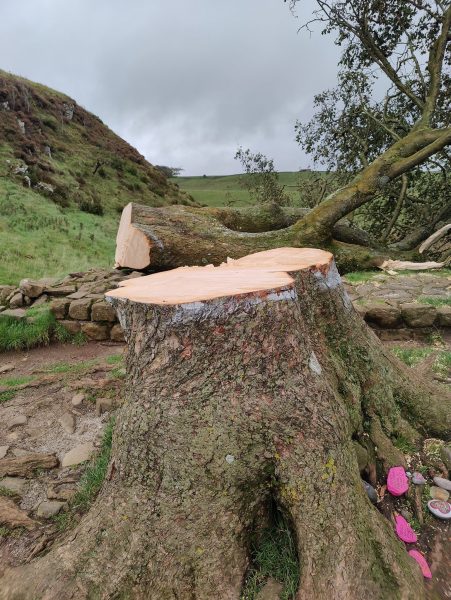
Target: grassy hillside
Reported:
point(225, 190)
point(64, 179)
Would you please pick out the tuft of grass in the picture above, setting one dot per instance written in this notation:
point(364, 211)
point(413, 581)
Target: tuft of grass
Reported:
point(6, 492)
point(114, 359)
point(404, 445)
point(432, 301)
point(360, 276)
point(412, 356)
point(7, 395)
point(64, 336)
point(442, 363)
point(15, 381)
point(12, 533)
point(91, 481)
point(274, 555)
point(35, 330)
point(65, 367)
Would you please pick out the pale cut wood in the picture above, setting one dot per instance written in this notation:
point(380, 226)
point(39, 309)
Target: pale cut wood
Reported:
point(397, 265)
point(26, 465)
point(263, 271)
point(434, 238)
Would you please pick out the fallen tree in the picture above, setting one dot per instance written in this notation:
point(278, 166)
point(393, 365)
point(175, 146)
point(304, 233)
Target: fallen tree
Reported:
point(175, 236)
point(247, 385)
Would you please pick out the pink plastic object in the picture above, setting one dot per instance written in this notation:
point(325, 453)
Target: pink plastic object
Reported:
point(397, 482)
point(404, 531)
point(422, 562)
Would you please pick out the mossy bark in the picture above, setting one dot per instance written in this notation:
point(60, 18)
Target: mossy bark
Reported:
point(231, 402)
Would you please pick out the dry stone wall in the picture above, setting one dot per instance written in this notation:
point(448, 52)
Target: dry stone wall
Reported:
point(394, 307)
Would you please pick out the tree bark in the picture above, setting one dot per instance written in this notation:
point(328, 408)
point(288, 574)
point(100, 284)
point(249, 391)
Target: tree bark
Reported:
point(175, 236)
point(245, 383)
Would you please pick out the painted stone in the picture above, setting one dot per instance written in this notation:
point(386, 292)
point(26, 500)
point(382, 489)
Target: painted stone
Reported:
point(404, 531)
point(397, 482)
point(371, 492)
point(422, 562)
point(440, 509)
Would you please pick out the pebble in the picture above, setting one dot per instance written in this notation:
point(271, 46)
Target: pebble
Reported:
point(418, 478)
point(49, 508)
point(14, 484)
point(3, 451)
point(443, 483)
point(16, 421)
point(230, 459)
point(78, 399)
point(371, 492)
point(440, 509)
point(6, 368)
point(78, 455)
point(67, 422)
point(437, 493)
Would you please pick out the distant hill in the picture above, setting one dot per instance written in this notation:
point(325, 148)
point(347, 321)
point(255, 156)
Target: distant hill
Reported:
point(64, 179)
point(230, 190)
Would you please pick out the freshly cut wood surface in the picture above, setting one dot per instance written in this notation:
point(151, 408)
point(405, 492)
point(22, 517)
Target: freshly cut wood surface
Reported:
point(194, 284)
point(262, 271)
point(284, 259)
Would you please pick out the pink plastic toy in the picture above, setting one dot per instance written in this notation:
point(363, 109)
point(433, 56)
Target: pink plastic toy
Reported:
point(404, 531)
point(397, 482)
point(422, 562)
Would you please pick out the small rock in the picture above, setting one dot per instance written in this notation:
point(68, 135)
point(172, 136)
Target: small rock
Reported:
point(17, 421)
point(78, 455)
point(67, 422)
point(436, 493)
point(7, 368)
point(78, 399)
point(14, 484)
point(95, 331)
point(32, 289)
point(3, 451)
point(104, 405)
point(371, 492)
point(418, 478)
point(61, 491)
point(443, 483)
point(272, 590)
point(117, 333)
point(49, 508)
point(80, 309)
point(16, 301)
point(314, 364)
point(20, 314)
point(440, 509)
point(230, 459)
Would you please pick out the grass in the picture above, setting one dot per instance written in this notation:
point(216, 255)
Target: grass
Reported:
point(274, 555)
point(360, 276)
point(114, 359)
point(37, 329)
point(404, 445)
point(412, 356)
point(65, 367)
point(435, 301)
point(442, 363)
point(90, 483)
point(27, 333)
point(15, 381)
point(7, 395)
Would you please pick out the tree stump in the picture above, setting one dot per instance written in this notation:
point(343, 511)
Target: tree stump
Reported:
point(246, 384)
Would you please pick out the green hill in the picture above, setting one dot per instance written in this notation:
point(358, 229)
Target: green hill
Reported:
point(64, 179)
point(225, 190)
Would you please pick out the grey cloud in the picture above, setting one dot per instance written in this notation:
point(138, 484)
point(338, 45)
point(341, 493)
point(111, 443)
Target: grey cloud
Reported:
point(185, 81)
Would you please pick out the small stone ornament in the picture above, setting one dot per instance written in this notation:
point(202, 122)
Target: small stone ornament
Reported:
point(437, 493)
point(371, 492)
point(443, 483)
point(418, 478)
point(440, 509)
point(422, 562)
point(397, 482)
point(404, 531)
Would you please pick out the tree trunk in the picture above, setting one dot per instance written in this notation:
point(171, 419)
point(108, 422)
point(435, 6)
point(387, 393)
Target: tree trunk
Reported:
point(245, 383)
point(175, 236)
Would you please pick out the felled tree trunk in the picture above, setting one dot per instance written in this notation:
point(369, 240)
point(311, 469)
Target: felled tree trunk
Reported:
point(245, 383)
point(175, 236)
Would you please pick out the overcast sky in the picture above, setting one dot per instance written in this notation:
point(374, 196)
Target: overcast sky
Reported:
point(185, 81)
